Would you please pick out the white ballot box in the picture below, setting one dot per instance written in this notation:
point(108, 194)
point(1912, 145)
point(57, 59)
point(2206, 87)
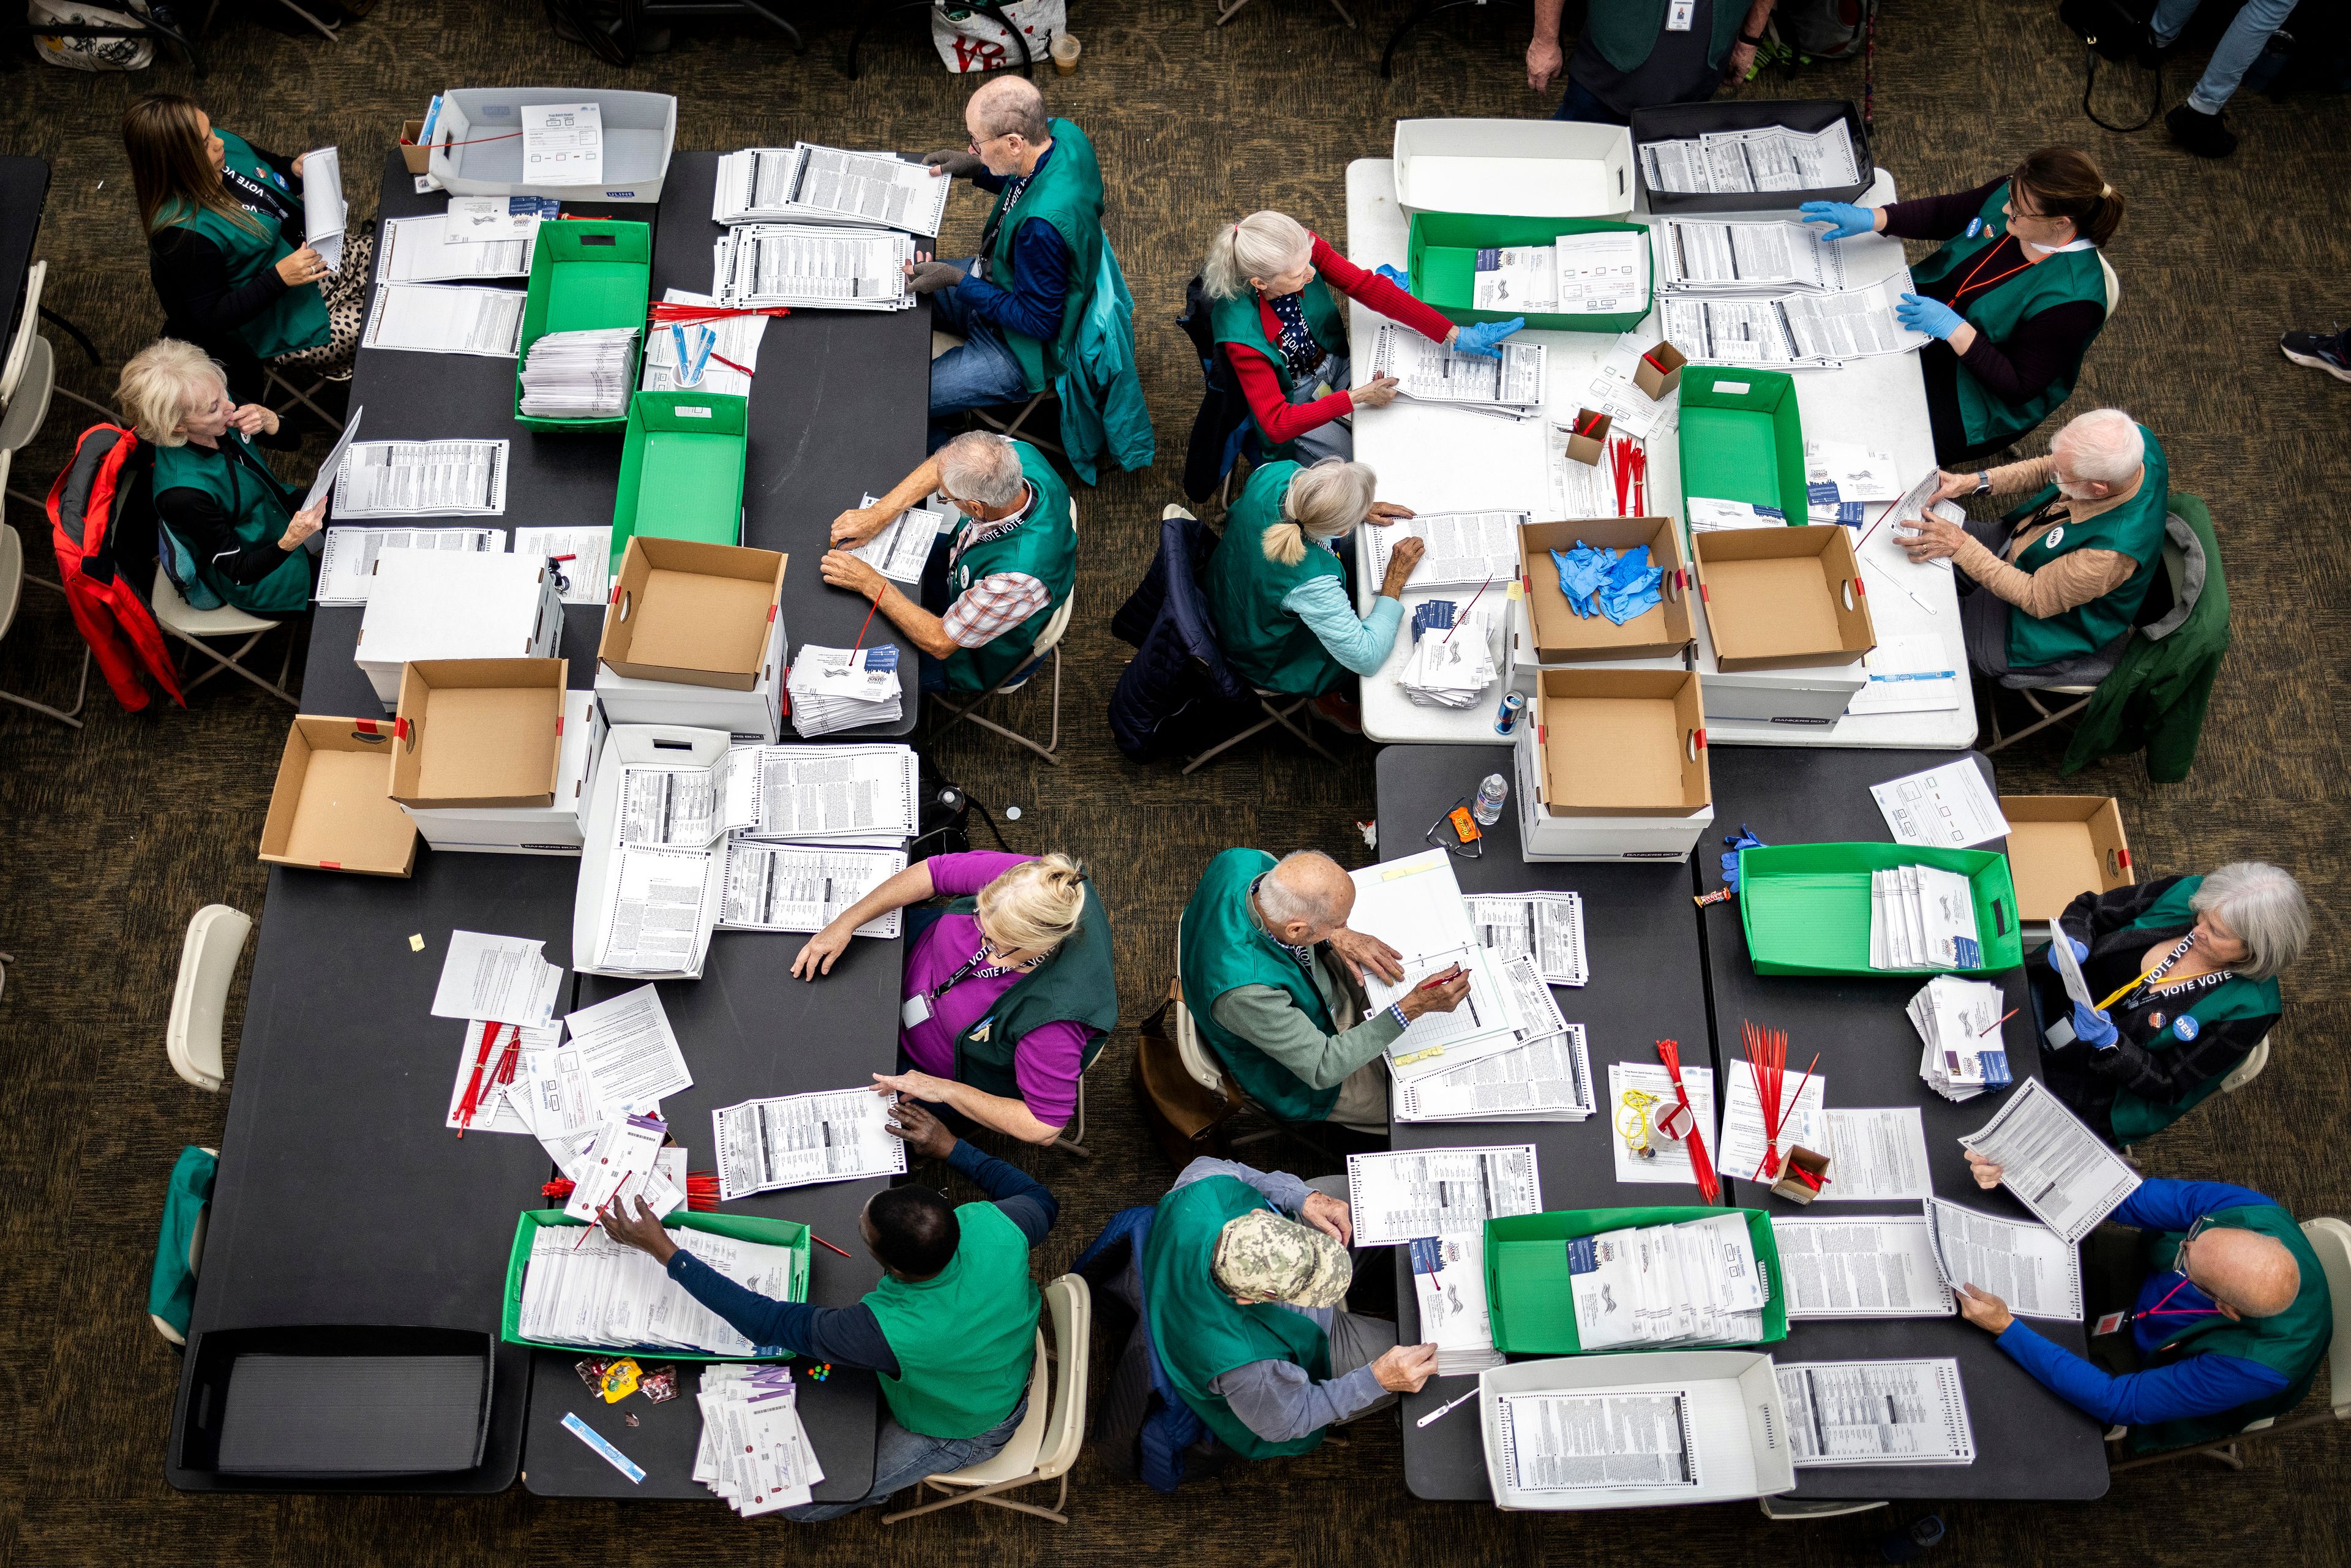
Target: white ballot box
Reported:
point(645, 909)
point(1611, 765)
point(478, 142)
point(755, 716)
point(441, 604)
point(1514, 168)
point(1658, 1430)
point(556, 829)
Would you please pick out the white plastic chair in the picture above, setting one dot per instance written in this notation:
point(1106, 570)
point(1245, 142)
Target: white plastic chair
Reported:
point(2114, 284)
point(1046, 1443)
point(1048, 645)
point(13, 578)
point(1206, 1070)
point(29, 378)
point(207, 964)
point(195, 1260)
point(1781, 1510)
point(190, 626)
point(2245, 1072)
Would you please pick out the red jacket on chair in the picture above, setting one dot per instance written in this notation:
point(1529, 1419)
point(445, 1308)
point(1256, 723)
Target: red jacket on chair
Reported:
point(88, 507)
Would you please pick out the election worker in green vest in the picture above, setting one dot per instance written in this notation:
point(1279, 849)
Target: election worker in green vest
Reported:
point(2192, 965)
point(1008, 993)
point(992, 585)
point(1645, 54)
point(2013, 299)
point(2216, 1315)
point(2049, 592)
point(1274, 981)
point(950, 1331)
point(237, 524)
point(1245, 1280)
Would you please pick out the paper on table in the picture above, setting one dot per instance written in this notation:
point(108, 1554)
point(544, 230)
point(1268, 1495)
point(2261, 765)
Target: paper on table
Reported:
point(1484, 1023)
point(417, 250)
point(562, 143)
point(1431, 373)
point(1466, 550)
point(486, 1043)
point(1876, 1413)
point(673, 807)
point(813, 267)
point(1858, 472)
point(628, 1051)
point(1579, 490)
point(492, 220)
point(1860, 323)
point(1946, 807)
point(621, 1167)
point(334, 465)
point(430, 319)
point(1878, 1153)
point(738, 340)
point(1669, 1162)
point(1631, 410)
point(324, 212)
point(903, 547)
point(504, 978)
point(586, 577)
point(797, 793)
point(790, 887)
point(1409, 1194)
point(1711, 254)
point(1743, 1143)
point(2049, 1158)
point(795, 1140)
point(1413, 903)
point(1564, 1442)
point(1548, 1079)
point(422, 479)
point(658, 922)
point(2031, 1268)
point(1545, 926)
point(1880, 1266)
point(1907, 674)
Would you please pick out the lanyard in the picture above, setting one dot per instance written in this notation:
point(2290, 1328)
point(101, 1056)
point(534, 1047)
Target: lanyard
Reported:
point(1970, 281)
point(2138, 994)
point(936, 992)
point(996, 220)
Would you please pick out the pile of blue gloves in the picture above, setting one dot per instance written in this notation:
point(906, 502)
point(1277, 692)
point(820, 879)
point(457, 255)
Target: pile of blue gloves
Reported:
point(1744, 839)
point(2091, 1026)
point(1619, 584)
point(1479, 340)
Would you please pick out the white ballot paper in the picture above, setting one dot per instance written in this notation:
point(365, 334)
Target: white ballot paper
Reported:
point(1948, 807)
point(423, 479)
point(1876, 1412)
point(1409, 1194)
point(1727, 331)
point(2031, 1268)
point(797, 793)
point(325, 479)
point(324, 211)
point(1768, 158)
point(1710, 254)
point(902, 546)
point(485, 1047)
point(628, 1051)
point(2055, 1165)
point(673, 807)
point(418, 250)
point(808, 265)
point(2069, 968)
point(1545, 926)
point(582, 557)
point(1877, 1153)
point(797, 1140)
point(770, 184)
point(621, 1167)
point(1486, 1022)
point(503, 978)
point(1466, 550)
point(562, 143)
point(429, 319)
point(804, 887)
point(1559, 1442)
point(1430, 373)
point(492, 220)
point(657, 923)
point(1548, 1079)
point(1744, 1141)
point(755, 1454)
point(737, 341)
point(1612, 391)
point(1872, 1266)
point(1669, 1161)
point(583, 1288)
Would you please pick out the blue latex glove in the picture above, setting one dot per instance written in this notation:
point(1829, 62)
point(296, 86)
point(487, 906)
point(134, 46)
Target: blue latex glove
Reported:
point(1397, 276)
point(1929, 316)
point(1845, 219)
point(2080, 952)
point(1479, 337)
point(1581, 572)
point(1631, 587)
point(1744, 839)
point(2094, 1027)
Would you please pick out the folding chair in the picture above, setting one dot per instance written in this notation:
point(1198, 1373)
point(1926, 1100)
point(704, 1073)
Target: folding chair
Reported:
point(941, 343)
point(13, 578)
point(1781, 1510)
point(2245, 1072)
point(1075, 1141)
point(208, 959)
point(1047, 644)
point(29, 376)
point(190, 626)
point(1273, 715)
point(1209, 1074)
point(272, 377)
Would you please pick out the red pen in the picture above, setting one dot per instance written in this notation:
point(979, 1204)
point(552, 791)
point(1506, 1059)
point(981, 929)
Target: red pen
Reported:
point(827, 1245)
point(472, 1100)
point(1473, 604)
point(1998, 1021)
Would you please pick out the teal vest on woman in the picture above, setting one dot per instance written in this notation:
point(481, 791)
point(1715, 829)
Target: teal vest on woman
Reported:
point(1223, 949)
point(2290, 1343)
point(2063, 279)
point(1075, 985)
point(1067, 192)
point(1237, 321)
point(2135, 529)
point(1626, 31)
point(965, 1339)
point(258, 507)
point(1270, 647)
point(2134, 1116)
point(296, 319)
point(1044, 546)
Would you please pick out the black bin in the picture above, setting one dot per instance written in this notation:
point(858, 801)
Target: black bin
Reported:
point(339, 1402)
point(1686, 121)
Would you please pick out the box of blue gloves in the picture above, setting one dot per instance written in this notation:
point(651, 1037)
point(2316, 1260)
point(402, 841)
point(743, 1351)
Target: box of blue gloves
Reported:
point(1605, 588)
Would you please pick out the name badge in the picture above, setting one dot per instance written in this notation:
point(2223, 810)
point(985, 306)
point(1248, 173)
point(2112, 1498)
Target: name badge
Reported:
point(1679, 15)
point(2108, 1323)
point(915, 1011)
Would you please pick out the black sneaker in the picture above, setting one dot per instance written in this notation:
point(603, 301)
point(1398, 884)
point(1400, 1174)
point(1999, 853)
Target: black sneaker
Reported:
point(2203, 134)
point(2328, 351)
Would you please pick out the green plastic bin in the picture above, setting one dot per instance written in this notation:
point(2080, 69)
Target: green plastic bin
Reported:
point(1805, 907)
point(682, 469)
point(788, 1233)
point(1527, 1297)
point(1441, 257)
point(1742, 439)
point(585, 275)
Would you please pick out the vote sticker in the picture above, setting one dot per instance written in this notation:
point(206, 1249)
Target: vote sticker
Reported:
point(966, 578)
point(2155, 1021)
point(2052, 538)
point(2186, 1027)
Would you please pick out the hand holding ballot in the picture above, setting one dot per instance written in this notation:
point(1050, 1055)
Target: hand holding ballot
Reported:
point(921, 1132)
point(1987, 1174)
point(1406, 1369)
point(1984, 1309)
point(636, 1224)
point(1932, 539)
point(1377, 392)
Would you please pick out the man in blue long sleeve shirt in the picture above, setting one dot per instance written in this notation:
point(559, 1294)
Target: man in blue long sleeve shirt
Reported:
point(950, 1330)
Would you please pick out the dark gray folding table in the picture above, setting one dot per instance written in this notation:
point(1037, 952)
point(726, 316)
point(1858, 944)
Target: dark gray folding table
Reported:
point(24, 192)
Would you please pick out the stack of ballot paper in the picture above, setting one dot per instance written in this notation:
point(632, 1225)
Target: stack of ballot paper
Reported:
point(808, 184)
point(805, 265)
point(1511, 385)
point(623, 1166)
point(1460, 550)
point(622, 1059)
point(425, 250)
point(801, 1140)
point(1454, 1316)
point(1545, 926)
point(1453, 670)
point(1548, 1079)
point(1772, 158)
point(1664, 1287)
point(579, 375)
point(1922, 917)
point(1960, 1022)
point(1575, 275)
point(1436, 1201)
point(1876, 1412)
point(843, 688)
point(804, 887)
point(347, 561)
point(755, 1454)
point(804, 794)
point(1709, 255)
point(580, 1287)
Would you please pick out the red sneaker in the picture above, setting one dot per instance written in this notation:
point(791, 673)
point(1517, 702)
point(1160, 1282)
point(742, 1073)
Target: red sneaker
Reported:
point(1341, 711)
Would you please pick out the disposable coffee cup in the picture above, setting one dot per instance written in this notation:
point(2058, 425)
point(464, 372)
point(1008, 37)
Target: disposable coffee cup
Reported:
point(1065, 52)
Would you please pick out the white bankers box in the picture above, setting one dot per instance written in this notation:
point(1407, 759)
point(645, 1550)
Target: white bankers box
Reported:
point(442, 604)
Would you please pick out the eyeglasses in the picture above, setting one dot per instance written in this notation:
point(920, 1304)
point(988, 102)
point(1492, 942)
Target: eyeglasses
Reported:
point(2179, 1254)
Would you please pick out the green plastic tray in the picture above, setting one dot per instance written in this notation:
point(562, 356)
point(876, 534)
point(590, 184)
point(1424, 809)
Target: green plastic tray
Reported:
point(1742, 438)
point(1441, 257)
point(788, 1233)
point(585, 275)
point(682, 469)
point(1805, 907)
point(1528, 1296)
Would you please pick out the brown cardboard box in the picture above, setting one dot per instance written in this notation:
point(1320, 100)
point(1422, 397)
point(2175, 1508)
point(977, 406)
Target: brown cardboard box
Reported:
point(1622, 743)
point(418, 159)
point(1561, 636)
point(1587, 435)
point(330, 809)
point(1659, 370)
point(690, 613)
point(1783, 599)
point(2062, 846)
point(478, 734)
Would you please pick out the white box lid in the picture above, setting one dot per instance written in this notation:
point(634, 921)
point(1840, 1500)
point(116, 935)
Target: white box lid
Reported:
point(1514, 168)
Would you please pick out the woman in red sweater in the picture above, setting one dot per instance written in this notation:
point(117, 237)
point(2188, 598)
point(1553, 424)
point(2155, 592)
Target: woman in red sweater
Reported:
point(1272, 279)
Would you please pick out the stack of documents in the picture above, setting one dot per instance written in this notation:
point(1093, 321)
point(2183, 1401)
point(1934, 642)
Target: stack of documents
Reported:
point(1772, 158)
point(808, 184)
point(1511, 385)
point(1437, 1201)
point(580, 1287)
point(1668, 1287)
point(755, 1454)
point(1948, 807)
point(324, 212)
point(622, 1059)
point(1484, 1023)
point(1907, 674)
point(843, 688)
point(423, 479)
point(436, 249)
point(1960, 1022)
point(1713, 257)
point(1843, 475)
point(621, 1166)
point(1710, 514)
point(1453, 670)
point(426, 319)
point(1874, 1266)
point(1804, 329)
point(801, 794)
point(1548, 1079)
point(728, 364)
point(1547, 928)
point(799, 1140)
point(1575, 275)
point(1464, 549)
point(1922, 917)
point(1876, 1412)
point(499, 1107)
point(504, 980)
point(807, 266)
point(903, 546)
point(347, 561)
point(2050, 1159)
point(579, 375)
point(2035, 1269)
point(805, 887)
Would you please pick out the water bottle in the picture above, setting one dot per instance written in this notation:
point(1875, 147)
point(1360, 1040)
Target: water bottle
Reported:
point(1488, 808)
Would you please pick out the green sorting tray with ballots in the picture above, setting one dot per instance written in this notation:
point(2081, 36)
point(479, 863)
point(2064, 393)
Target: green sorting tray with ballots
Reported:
point(1441, 260)
point(682, 469)
point(1805, 907)
point(1742, 439)
point(1530, 1303)
point(585, 275)
point(786, 1233)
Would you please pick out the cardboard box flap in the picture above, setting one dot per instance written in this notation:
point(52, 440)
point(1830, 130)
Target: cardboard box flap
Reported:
point(1783, 598)
point(692, 613)
point(2062, 846)
point(330, 809)
point(1561, 636)
point(479, 733)
point(1622, 743)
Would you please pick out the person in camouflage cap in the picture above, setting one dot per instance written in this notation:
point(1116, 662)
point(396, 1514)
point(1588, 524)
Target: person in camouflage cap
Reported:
point(1261, 1257)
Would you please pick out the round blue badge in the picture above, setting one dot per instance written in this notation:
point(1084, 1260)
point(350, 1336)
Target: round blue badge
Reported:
point(2186, 1027)
point(1975, 227)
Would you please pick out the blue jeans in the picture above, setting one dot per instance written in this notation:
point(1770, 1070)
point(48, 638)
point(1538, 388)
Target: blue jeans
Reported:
point(1578, 103)
point(982, 372)
point(902, 1458)
point(2241, 46)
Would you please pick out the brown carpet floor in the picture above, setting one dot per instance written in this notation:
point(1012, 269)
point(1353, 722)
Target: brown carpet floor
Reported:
point(117, 833)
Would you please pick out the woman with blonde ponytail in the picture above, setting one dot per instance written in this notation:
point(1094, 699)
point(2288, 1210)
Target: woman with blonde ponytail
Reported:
point(1008, 995)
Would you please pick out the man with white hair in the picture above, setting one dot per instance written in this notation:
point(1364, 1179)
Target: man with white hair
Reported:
point(1273, 979)
point(2051, 590)
point(2227, 1324)
point(1018, 303)
point(988, 593)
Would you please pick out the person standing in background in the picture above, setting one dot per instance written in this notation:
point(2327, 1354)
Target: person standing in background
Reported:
point(2197, 124)
point(1639, 54)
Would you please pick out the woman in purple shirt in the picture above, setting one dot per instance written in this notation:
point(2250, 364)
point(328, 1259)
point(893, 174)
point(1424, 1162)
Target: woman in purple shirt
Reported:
point(1009, 992)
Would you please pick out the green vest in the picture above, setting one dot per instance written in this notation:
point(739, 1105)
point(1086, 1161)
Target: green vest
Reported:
point(2134, 1117)
point(260, 507)
point(1270, 647)
point(2291, 1344)
point(2135, 529)
point(296, 319)
point(1625, 31)
point(1199, 1332)
point(1224, 949)
point(1067, 192)
point(1239, 320)
point(1044, 546)
point(1076, 984)
point(965, 1339)
point(2060, 279)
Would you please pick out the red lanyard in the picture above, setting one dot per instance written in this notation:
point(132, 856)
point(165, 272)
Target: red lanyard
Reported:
point(2157, 1310)
point(1970, 281)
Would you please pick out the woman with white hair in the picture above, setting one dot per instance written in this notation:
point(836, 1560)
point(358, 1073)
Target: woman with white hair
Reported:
point(1008, 993)
point(235, 521)
point(1270, 280)
point(1277, 591)
point(2197, 960)
point(2052, 589)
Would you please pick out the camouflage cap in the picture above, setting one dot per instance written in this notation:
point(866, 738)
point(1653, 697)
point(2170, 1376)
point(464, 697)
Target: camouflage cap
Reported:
point(1264, 1256)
